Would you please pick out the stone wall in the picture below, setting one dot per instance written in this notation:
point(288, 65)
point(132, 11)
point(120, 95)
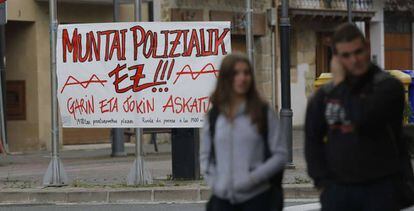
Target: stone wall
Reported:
point(21, 65)
point(306, 42)
point(262, 44)
point(28, 40)
point(303, 68)
point(263, 65)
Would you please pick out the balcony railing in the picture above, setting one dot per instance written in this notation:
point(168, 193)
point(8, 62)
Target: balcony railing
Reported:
point(359, 5)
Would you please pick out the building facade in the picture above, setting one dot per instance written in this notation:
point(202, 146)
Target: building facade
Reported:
point(387, 27)
point(312, 27)
point(28, 69)
point(229, 10)
point(312, 21)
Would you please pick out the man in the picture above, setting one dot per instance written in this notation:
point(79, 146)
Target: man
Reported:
point(352, 128)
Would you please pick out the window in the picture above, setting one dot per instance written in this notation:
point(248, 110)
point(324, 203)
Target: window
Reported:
point(16, 100)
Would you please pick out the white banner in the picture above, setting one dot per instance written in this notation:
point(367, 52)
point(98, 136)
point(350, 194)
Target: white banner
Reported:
point(146, 75)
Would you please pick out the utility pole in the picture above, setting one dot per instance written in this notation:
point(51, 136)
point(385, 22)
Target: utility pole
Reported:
point(286, 111)
point(117, 134)
point(349, 7)
point(138, 174)
point(249, 31)
point(55, 174)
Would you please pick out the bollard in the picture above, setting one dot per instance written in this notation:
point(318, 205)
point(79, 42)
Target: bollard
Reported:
point(185, 144)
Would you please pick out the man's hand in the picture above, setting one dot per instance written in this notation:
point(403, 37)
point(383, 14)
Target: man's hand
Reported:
point(338, 72)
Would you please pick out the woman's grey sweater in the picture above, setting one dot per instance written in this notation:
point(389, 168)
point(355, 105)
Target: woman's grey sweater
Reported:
point(241, 171)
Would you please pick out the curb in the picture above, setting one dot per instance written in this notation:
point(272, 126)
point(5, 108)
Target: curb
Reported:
point(130, 195)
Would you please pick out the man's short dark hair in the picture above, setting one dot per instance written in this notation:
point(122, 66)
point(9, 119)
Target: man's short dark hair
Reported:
point(346, 32)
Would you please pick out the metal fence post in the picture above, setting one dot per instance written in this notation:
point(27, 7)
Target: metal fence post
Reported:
point(118, 146)
point(55, 174)
point(139, 174)
point(3, 124)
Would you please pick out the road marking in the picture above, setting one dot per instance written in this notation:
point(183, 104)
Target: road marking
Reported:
point(304, 207)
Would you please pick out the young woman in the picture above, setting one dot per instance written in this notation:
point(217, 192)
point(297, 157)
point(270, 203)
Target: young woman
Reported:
point(233, 150)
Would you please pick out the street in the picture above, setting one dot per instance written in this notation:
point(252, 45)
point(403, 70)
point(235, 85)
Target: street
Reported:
point(299, 205)
point(305, 205)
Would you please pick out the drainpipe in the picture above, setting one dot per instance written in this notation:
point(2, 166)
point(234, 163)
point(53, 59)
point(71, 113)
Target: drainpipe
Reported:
point(272, 20)
point(249, 31)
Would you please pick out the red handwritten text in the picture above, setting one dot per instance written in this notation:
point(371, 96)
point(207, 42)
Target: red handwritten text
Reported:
point(187, 105)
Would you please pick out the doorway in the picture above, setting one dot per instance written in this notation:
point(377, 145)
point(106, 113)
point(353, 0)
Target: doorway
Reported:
point(324, 52)
point(398, 42)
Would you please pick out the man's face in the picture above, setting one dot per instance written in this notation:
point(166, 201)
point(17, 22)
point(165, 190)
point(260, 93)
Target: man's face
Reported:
point(353, 56)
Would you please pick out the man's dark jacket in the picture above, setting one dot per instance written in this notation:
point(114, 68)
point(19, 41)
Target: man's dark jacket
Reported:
point(351, 129)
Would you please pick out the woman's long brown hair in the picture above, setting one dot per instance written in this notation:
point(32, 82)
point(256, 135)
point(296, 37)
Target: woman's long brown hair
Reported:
point(222, 95)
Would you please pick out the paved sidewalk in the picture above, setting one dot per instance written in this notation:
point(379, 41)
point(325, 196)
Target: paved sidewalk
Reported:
point(183, 193)
point(91, 169)
point(88, 166)
point(94, 166)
